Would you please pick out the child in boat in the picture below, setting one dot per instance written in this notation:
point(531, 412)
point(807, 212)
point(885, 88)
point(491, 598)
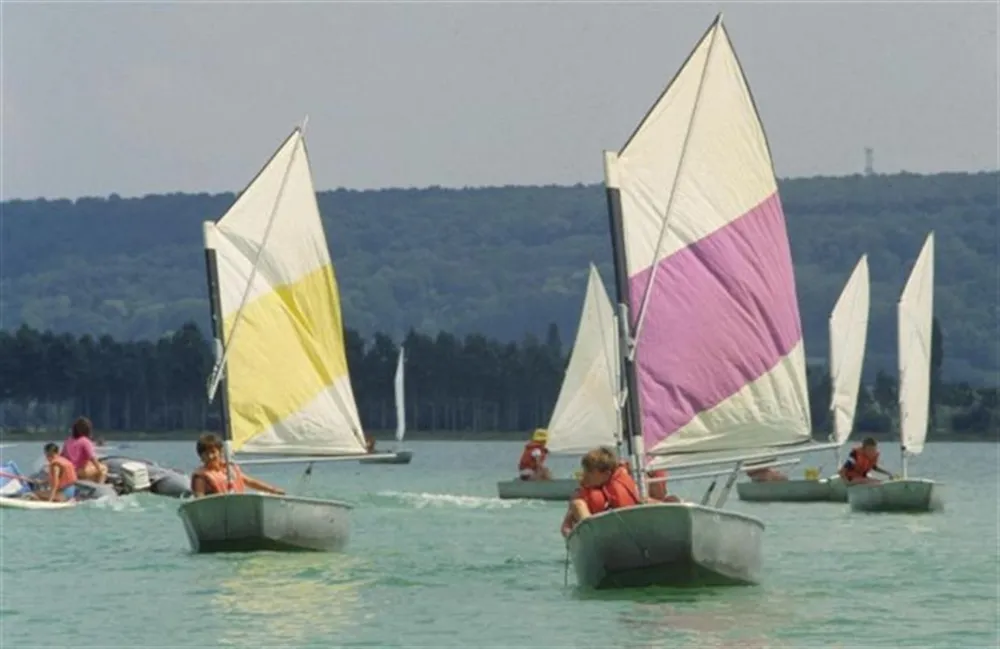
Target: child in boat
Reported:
point(531, 466)
point(62, 477)
point(605, 484)
point(767, 474)
point(860, 462)
point(211, 477)
point(79, 449)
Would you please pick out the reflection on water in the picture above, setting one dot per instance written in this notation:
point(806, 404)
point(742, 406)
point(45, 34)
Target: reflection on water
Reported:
point(285, 599)
point(722, 618)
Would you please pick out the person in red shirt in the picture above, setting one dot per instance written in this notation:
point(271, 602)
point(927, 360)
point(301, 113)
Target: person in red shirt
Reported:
point(861, 461)
point(531, 466)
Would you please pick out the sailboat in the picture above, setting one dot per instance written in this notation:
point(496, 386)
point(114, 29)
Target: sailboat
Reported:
point(710, 336)
point(585, 414)
point(915, 317)
point(848, 334)
point(397, 456)
point(282, 374)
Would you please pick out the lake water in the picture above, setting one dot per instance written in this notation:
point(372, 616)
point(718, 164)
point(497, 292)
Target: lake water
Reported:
point(436, 560)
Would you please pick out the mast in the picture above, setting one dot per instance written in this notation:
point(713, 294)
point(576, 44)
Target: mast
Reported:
point(215, 311)
point(632, 421)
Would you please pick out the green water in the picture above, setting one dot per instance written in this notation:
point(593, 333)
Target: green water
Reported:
point(436, 560)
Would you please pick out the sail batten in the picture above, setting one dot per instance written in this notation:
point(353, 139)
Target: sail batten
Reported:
point(720, 360)
point(915, 313)
point(288, 387)
point(848, 335)
point(586, 411)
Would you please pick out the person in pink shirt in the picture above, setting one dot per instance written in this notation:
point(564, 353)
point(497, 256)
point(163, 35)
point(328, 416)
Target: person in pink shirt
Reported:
point(79, 449)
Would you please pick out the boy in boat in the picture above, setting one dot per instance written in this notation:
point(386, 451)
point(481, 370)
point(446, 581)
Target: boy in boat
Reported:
point(62, 476)
point(605, 484)
point(861, 461)
point(370, 443)
point(531, 466)
point(766, 474)
point(79, 449)
point(211, 477)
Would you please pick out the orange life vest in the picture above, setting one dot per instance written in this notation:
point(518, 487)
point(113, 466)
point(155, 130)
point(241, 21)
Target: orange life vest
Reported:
point(216, 480)
point(620, 491)
point(528, 461)
point(862, 464)
point(68, 474)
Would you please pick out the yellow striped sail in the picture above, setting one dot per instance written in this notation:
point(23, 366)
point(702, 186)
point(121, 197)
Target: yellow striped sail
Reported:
point(289, 391)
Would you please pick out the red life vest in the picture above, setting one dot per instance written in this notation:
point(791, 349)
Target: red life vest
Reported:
point(619, 491)
point(657, 490)
point(216, 481)
point(68, 474)
point(528, 460)
point(862, 465)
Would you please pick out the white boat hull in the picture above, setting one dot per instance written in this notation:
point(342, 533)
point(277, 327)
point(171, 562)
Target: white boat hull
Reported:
point(560, 489)
point(259, 522)
point(28, 503)
point(896, 496)
point(673, 544)
point(793, 491)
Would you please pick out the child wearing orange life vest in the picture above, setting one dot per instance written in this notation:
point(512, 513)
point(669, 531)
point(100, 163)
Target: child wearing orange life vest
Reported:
point(62, 477)
point(860, 462)
point(605, 484)
point(211, 477)
point(531, 466)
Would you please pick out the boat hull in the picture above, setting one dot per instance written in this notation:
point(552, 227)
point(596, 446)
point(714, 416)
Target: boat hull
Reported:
point(794, 491)
point(905, 496)
point(399, 457)
point(560, 489)
point(163, 481)
point(673, 544)
point(262, 522)
point(7, 502)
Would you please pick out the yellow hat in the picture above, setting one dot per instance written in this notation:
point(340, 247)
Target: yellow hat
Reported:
point(540, 435)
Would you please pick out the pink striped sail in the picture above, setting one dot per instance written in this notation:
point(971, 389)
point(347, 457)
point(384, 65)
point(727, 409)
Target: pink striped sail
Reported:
point(719, 351)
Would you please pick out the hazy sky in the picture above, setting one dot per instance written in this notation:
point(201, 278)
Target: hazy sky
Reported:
point(143, 98)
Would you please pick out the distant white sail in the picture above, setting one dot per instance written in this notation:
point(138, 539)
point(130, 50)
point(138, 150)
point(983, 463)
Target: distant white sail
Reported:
point(586, 413)
point(915, 313)
point(848, 334)
point(400, 398)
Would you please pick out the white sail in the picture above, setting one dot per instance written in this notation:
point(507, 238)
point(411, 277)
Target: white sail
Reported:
point(719, 356)
point(400, 398)
point(586, 413)
point(915, 313)
point(289, 391)
point(848, 335)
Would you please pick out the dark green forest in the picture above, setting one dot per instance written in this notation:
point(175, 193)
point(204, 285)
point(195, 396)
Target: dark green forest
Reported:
point(473, 384)
point(502, 261)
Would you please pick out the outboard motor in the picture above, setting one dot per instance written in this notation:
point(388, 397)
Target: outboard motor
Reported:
point(134, 477)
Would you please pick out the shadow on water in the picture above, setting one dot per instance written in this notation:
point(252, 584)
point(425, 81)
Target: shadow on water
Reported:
point(274, 598)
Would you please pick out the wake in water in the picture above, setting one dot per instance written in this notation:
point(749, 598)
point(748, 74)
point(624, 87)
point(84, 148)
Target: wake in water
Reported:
point(423, 500)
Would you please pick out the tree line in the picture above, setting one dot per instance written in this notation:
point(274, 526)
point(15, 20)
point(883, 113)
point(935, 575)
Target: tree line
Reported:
point(501, 260)
point(473, 383)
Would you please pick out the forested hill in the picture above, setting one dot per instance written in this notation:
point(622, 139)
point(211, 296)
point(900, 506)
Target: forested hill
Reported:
point(503, 261)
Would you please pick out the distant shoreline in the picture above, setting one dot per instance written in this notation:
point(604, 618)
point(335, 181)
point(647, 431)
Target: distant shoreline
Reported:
point(386, 436)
